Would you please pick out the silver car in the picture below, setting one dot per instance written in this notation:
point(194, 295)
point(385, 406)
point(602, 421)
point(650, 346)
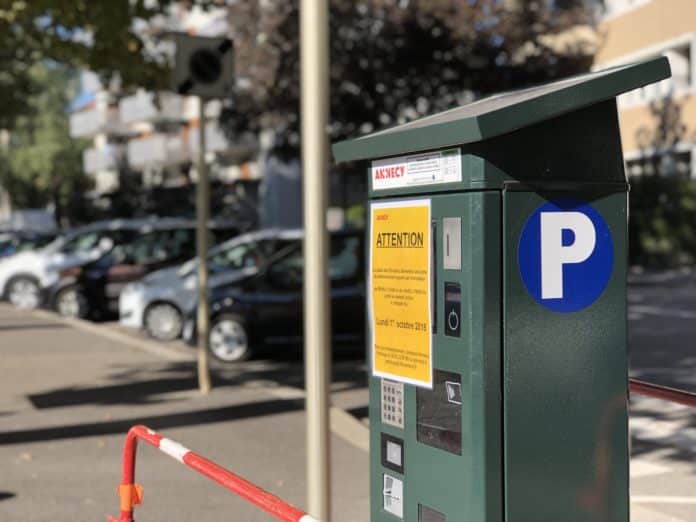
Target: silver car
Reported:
point(158, 302)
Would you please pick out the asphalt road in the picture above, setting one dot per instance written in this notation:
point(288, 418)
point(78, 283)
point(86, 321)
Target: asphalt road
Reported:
point(68, 396)
point(69, 391)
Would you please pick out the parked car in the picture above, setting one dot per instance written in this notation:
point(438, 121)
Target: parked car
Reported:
point(158, 301)
point(15, 241)
point(23, 275)
point(266, 309)
point(93, 289)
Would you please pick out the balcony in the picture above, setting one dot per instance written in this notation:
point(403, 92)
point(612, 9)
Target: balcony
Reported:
point(145, 107)
point(157, 150)
point(88, 123)
point(101, 159)
point(215, 140)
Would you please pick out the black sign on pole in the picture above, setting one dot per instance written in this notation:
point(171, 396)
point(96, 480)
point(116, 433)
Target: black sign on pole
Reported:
point(204, 66)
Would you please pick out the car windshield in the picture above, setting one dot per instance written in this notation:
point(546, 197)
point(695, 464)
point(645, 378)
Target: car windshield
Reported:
point(152, 247)
point(251, 254)
point(344, 264)
point(80, 242)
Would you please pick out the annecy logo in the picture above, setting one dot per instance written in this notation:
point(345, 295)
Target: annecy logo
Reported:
point(397, 171)
point(565, 255)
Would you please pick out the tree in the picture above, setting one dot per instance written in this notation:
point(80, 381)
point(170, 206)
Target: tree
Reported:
point(393, 61)
point(104, 36)
point(663, 194)
point(42, 164)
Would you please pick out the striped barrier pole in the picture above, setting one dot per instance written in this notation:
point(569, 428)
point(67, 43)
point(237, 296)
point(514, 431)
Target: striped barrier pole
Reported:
point(662, 392)
point(131, 494)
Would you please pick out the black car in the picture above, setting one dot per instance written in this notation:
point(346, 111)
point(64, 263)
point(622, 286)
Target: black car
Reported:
point(92, 290)
point(266, 308)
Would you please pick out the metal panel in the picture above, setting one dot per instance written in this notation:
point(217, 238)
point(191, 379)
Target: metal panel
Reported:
point(467, 486)
point(503, 113)
point(566, 435)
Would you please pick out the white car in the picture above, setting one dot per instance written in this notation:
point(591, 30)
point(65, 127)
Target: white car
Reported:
point(24, 276)
point(159, 302)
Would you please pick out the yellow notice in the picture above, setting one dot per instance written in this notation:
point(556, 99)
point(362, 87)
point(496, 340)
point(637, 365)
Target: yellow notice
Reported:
point(400, 291)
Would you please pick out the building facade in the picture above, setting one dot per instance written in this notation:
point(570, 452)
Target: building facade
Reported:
point(154, 134)
point(658, 122)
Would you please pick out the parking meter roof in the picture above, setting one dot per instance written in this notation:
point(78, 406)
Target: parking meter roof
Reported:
point(503, 113)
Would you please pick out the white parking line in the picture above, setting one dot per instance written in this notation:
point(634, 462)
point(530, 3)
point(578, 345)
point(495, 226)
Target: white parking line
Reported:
point(656, 499)
point(641, 468)
point(664, 312)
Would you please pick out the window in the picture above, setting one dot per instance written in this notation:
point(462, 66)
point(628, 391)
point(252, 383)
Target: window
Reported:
point(81, 242)
point(681, 82)
point(617, 7)
point(345, 256)
point(246, 255)
point(344, 263)
point(287, 272)
point(665, 164)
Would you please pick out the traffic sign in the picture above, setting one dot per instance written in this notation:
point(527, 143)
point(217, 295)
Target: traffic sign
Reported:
point(204, 66)
point(565, 255)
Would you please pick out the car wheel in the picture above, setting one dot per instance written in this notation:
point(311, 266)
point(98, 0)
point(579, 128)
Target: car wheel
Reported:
point(228, 341)
point(24, 292)
point(70, 302)
point(163, 322)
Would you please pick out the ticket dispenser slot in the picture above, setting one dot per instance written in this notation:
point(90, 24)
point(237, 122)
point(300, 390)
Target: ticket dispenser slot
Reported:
point(439, 413)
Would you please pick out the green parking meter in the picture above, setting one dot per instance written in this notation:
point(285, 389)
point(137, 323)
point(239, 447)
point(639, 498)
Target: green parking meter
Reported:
point(497, 307)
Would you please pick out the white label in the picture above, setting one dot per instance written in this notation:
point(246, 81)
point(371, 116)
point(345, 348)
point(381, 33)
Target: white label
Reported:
point(452, 243)
point(393, 496)
point(419, 169)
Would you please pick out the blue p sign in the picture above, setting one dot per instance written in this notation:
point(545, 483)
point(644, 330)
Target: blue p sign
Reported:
point(565, 255)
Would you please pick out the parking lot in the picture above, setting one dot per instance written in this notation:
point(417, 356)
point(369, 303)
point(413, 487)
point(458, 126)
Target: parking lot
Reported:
point(71, 390)
point(69, 396)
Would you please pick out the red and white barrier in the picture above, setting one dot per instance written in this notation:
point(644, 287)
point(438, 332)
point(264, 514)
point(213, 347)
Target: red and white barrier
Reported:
point(662, 392)
point(131, 493)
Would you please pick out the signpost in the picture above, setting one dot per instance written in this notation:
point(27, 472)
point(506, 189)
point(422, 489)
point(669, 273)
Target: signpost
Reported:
point(203, 67)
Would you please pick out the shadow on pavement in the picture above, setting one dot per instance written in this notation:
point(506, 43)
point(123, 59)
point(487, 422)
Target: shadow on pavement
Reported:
point(151, 385)
point(157, 422)
point(5, 495)
point(661, 329)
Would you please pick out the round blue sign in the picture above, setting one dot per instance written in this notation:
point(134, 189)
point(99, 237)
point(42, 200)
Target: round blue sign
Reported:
point(565, 255)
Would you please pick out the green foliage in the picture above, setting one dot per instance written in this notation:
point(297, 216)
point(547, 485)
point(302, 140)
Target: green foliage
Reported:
point(662, 224)
point(99, 35)
point(394, 61)
point(42, 164)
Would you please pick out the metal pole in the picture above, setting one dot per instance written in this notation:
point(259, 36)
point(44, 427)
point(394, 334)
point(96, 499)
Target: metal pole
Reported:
point(202, 216)
point(314, 62)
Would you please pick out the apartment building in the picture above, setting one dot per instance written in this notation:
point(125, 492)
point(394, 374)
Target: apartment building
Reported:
point(153, 133)
point(658, 122)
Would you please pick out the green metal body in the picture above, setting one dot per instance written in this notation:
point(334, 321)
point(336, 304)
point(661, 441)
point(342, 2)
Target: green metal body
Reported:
point(543, 414)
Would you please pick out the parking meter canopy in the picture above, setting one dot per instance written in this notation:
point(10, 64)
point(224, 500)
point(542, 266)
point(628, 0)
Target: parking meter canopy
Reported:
point(497, 307)
point(530, 135)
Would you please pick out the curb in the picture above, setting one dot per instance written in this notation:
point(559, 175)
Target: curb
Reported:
point(107, 332)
